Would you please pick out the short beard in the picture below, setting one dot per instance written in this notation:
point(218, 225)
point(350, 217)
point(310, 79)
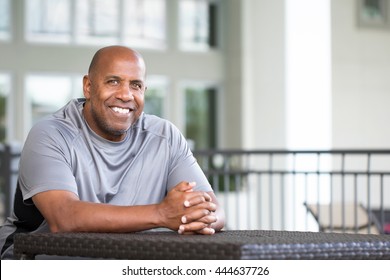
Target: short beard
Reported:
point(104, 126)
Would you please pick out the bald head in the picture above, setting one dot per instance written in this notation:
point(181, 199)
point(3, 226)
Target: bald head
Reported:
point(107, 55)
point(114, 91)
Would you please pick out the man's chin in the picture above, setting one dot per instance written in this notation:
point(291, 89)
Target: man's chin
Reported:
point(119, 132)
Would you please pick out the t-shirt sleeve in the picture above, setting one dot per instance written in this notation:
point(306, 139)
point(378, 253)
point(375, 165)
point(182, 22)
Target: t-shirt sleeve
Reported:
point(45, 162)
point(184, 166)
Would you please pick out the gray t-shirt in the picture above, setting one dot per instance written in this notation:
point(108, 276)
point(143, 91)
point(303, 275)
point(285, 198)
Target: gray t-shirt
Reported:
point(63, 153)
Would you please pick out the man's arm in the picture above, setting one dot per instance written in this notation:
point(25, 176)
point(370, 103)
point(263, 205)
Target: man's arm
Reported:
point(64, 211)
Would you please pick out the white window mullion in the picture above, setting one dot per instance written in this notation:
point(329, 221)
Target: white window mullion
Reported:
point(121, 22)
point(73, 21)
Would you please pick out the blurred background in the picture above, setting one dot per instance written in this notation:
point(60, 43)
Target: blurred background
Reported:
point(231, 74)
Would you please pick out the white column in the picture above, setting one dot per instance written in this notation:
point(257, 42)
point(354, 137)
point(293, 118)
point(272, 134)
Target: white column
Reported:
point(308, 74)
point(308, 100)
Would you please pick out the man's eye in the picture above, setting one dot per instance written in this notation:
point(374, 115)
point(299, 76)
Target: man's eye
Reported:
point(137, 86)
point(113, 82)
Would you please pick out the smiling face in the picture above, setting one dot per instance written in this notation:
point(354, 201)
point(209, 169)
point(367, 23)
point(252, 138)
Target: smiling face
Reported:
point(114, 90)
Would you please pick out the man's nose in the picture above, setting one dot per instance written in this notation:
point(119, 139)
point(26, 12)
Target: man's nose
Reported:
point(126, 94)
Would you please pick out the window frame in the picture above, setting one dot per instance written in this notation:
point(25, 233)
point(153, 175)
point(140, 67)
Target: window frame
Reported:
point(6, 33)
point(204, 85)
point(9, 122)
point(213, 27)
point(74, 92)
point(75, 37)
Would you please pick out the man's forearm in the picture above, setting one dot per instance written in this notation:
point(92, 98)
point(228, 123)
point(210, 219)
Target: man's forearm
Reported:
point(93, 217)
point(64, 211)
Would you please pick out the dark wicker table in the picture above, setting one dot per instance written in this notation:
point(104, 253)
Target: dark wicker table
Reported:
point(244, 244)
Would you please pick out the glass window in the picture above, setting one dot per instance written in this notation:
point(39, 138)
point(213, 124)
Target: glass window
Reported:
point(5, 20)
point(48, 93)
point(97, 20)
point(5, 85)
point(201, 116)
point(155, 96)
point(48, 20)
point(138, 23)
point(144, 23)
point(197, 24)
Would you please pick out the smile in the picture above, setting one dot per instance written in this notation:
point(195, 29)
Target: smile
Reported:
point(121, 110)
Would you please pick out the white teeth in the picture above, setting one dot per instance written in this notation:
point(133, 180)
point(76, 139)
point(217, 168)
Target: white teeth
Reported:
point(121, 110)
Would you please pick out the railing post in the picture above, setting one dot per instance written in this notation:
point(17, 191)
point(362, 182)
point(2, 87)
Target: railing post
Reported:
point(342, 192)
point(270, 194)
point(369, 210)
point(9, 171)
point(6, 175)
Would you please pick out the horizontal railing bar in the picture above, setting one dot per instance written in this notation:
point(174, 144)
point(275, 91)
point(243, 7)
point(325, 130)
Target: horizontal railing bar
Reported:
point(284, 151)
point(276, 172)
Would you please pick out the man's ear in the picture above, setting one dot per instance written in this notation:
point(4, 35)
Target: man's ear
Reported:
point(86, 87)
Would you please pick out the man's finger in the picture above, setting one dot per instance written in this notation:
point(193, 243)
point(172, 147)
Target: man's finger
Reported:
point(204, 216)
point(185, 186)
point(199, 197)
point(196, 227)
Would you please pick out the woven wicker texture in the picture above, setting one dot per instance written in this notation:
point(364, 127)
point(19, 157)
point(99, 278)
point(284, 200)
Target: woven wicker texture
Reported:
point(251, 244)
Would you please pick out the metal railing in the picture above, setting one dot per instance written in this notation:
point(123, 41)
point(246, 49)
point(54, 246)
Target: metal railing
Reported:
point(327, 190)
point(9, 166)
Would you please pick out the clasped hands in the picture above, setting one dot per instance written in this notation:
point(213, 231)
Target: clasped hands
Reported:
point(188, 211)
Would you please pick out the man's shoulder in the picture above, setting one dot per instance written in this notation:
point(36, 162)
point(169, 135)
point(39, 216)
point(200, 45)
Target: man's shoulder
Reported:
point(63, 123)
point(157, 125)
point(149, 119)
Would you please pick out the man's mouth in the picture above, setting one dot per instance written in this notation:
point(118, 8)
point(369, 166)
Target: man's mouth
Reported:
point(119, 110)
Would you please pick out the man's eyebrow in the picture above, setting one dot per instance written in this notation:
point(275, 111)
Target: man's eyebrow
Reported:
point(113, 77)
point(122, 79)
point(137, 81)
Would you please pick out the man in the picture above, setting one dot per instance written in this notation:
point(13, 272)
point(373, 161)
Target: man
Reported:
point(100, 164)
